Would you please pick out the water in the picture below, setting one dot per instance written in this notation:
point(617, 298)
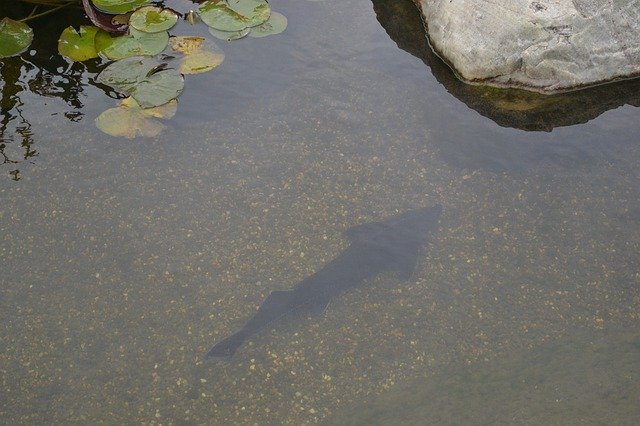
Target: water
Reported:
point(586, 378)
point(122, 261)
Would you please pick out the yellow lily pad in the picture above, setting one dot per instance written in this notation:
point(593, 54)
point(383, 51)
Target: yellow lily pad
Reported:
point(129, 120)
point(198, 54)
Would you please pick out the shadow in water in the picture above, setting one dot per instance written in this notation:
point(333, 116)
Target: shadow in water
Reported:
point(393, 244)
point(507, 107)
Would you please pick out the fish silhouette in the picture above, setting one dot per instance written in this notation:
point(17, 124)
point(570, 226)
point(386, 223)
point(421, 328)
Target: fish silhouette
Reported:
point(376, 247)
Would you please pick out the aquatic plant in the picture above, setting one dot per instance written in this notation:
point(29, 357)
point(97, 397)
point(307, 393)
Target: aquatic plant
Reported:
point(128, 34)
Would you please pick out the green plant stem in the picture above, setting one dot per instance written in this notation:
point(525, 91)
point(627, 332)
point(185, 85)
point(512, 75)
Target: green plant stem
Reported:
point(50, 3)
point(46, 12)
point(33, 12)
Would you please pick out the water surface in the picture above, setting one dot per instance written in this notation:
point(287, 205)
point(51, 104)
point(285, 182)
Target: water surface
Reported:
point(122, 261)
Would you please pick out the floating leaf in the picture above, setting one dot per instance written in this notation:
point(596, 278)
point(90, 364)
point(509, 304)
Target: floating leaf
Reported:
point(126, 73)
point(234, 15)
point(158, 88)
point(78, 46)
point(121, 19)
point(152, 19)
point(166, 111)
point(187, 44)
point(136, 43)
point(254, 11)
point(145, 79)
point(276, 24)
point(130, 120)
point(118, 6)
point(200, 55)
point(229, 35)
point(15, 37)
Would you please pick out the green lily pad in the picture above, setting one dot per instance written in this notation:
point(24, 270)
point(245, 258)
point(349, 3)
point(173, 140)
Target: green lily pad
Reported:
point(130, 120)
point(15, 37)
point(152, 19)
point(234, 15)
point(229, 35)
point(78, 46)
point(276, 24)
point(144, 79)
point(136, 43)
point(118, 6)
point(124, 74)
point(198, 54)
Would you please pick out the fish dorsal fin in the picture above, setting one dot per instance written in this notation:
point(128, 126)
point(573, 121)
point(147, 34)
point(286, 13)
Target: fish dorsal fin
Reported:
point(364, 231)
point(318, 305)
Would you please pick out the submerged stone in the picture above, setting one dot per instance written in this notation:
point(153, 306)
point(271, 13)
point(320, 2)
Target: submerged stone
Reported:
point(542, 45)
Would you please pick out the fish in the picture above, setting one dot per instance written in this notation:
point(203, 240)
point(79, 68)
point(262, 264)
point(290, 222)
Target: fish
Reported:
point(376, 247)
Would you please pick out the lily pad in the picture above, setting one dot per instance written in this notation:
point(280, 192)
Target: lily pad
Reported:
point(121, 19)
point(130, 120)
point(136, 43)
point(234, 15)
point(229, 35)
point(15, 37)
point(153, 19)
point(276, 24)
point(145, 79)
point(198, 54)
point(78, 45)
point(118, 6)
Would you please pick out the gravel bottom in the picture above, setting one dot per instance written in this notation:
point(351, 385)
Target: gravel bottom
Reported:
point(123, 262)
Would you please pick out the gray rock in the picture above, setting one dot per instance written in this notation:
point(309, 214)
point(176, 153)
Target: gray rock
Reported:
point(508, 107)
point(541, 45)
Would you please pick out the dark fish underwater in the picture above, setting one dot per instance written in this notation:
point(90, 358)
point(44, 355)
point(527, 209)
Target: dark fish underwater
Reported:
point(376, 247)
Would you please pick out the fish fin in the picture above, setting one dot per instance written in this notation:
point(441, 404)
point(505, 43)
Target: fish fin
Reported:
point(318, 306)
point(277, 304)
point(225, 348)
point(406, 266)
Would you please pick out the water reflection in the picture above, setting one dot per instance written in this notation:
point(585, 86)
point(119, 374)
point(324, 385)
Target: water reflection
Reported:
point(14, 126)
point(507, 107)
point(40, 71)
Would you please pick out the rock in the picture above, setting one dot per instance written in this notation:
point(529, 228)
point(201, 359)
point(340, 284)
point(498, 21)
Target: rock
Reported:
point(515, 108)
point(541, 45)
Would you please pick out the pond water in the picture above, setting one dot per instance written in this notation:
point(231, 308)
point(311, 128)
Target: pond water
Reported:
point(123, 261)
